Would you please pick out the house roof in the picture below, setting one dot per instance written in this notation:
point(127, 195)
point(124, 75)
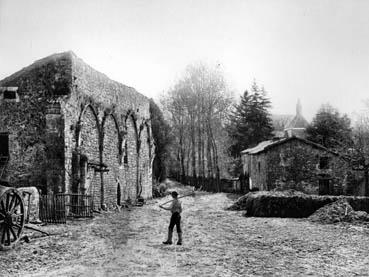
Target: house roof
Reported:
point(74, 62)
point(297, 122)
point(65, 57)
point(68, 68)
point(268, 144)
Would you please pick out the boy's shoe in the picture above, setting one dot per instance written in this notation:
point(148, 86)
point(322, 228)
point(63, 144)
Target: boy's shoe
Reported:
point(179, 242)
point(170, 235)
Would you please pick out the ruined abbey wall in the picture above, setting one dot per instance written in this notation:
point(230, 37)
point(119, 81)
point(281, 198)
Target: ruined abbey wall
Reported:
point(87, 133)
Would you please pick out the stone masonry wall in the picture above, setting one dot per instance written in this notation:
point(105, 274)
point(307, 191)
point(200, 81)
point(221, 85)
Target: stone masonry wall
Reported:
point(144, 174)
point(62, 131)
point(88, 180)
point(26, 122)
point(132, 156)
point(130, 110)
point(296, 165)
point(112, 158)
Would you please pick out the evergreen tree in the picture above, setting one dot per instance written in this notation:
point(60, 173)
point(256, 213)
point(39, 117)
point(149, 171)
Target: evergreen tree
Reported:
point(330, 129)
point(162, 137)
point(250, 122)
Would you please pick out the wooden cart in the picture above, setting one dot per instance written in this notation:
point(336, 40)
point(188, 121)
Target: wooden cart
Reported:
point(12, 217)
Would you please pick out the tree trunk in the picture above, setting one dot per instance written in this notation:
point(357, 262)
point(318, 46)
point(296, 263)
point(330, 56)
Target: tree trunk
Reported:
point(215, 157)
point(366, 178)
point(193, 148)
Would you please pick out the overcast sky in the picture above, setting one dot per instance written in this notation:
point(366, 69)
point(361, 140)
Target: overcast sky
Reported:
point(317, 51)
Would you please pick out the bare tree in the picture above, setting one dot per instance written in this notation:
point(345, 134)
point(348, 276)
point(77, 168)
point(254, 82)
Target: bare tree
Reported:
point(280, 121)
point(197, 106)
point(359, 153)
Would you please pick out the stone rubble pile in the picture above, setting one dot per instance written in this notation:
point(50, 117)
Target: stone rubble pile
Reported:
point(242, 202)
point(338, 211)
point(294, 204)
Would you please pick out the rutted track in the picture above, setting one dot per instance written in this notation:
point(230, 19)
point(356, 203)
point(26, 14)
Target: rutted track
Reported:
point(216, 243)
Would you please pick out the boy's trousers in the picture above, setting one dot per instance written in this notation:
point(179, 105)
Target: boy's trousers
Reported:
point(175, 220)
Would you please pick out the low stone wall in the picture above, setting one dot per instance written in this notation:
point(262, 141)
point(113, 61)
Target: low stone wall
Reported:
point(34, 202)
point(291, 203)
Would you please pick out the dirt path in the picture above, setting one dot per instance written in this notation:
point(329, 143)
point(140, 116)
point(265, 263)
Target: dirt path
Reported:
point(216, 243)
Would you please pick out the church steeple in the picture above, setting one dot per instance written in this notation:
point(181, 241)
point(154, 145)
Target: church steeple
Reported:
point(298, 108)
point(297, 126)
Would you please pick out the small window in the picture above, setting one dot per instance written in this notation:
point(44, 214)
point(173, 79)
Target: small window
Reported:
point(283, 159)
point(259, 167)
point(324, 163)
point(10, 95)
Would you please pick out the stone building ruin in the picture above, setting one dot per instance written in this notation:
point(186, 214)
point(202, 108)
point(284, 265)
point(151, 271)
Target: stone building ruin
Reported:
point(67, 128)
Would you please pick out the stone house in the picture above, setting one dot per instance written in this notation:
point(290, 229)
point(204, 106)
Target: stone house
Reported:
point(289, 161)
point(67, 128)
point(294, 163)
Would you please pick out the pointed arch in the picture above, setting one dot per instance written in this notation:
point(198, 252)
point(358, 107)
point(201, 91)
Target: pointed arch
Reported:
point(88, 113)
point(144, 160)
point(87, 151)
point(110, 157)
point(131, 155)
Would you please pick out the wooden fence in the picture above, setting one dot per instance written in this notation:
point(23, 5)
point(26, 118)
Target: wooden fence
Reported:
point(214, 185)
point(56, 208)
point(52, 208)
point(79, 205)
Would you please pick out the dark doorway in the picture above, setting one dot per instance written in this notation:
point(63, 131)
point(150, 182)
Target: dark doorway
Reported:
point(83, 171)
point(324, 163)
point(4, 145)
point(324, 187)
point(118, 194)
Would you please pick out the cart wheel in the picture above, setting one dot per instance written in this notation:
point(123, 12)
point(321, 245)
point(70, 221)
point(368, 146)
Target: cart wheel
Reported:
point(12, 218)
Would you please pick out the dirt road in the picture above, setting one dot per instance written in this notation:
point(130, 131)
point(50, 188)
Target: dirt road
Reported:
point(216, 243)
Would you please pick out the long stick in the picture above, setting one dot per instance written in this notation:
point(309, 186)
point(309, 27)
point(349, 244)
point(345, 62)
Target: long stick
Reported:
point(192, 193)
point(35, 229)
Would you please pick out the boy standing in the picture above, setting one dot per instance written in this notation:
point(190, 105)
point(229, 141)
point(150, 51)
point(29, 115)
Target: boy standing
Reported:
point(176, 209)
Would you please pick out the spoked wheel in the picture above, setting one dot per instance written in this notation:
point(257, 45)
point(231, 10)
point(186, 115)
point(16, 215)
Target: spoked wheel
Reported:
point(12, 217)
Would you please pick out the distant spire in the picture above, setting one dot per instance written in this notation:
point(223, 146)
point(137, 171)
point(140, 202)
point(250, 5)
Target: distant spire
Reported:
point(298, 107)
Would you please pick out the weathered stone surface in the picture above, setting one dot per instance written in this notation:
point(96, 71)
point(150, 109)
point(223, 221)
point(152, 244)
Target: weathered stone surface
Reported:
point(295, 164)
point(69, 130)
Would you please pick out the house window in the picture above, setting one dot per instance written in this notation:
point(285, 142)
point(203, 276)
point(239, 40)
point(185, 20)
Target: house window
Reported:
point(9, 94)
point(259, 167)
point(283, 159)
point(324, 163)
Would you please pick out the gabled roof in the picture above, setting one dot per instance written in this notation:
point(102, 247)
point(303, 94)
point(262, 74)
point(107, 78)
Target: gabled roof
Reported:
point(269, 144)
point(297, 122)
point(65, 57)
point(73, 74)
